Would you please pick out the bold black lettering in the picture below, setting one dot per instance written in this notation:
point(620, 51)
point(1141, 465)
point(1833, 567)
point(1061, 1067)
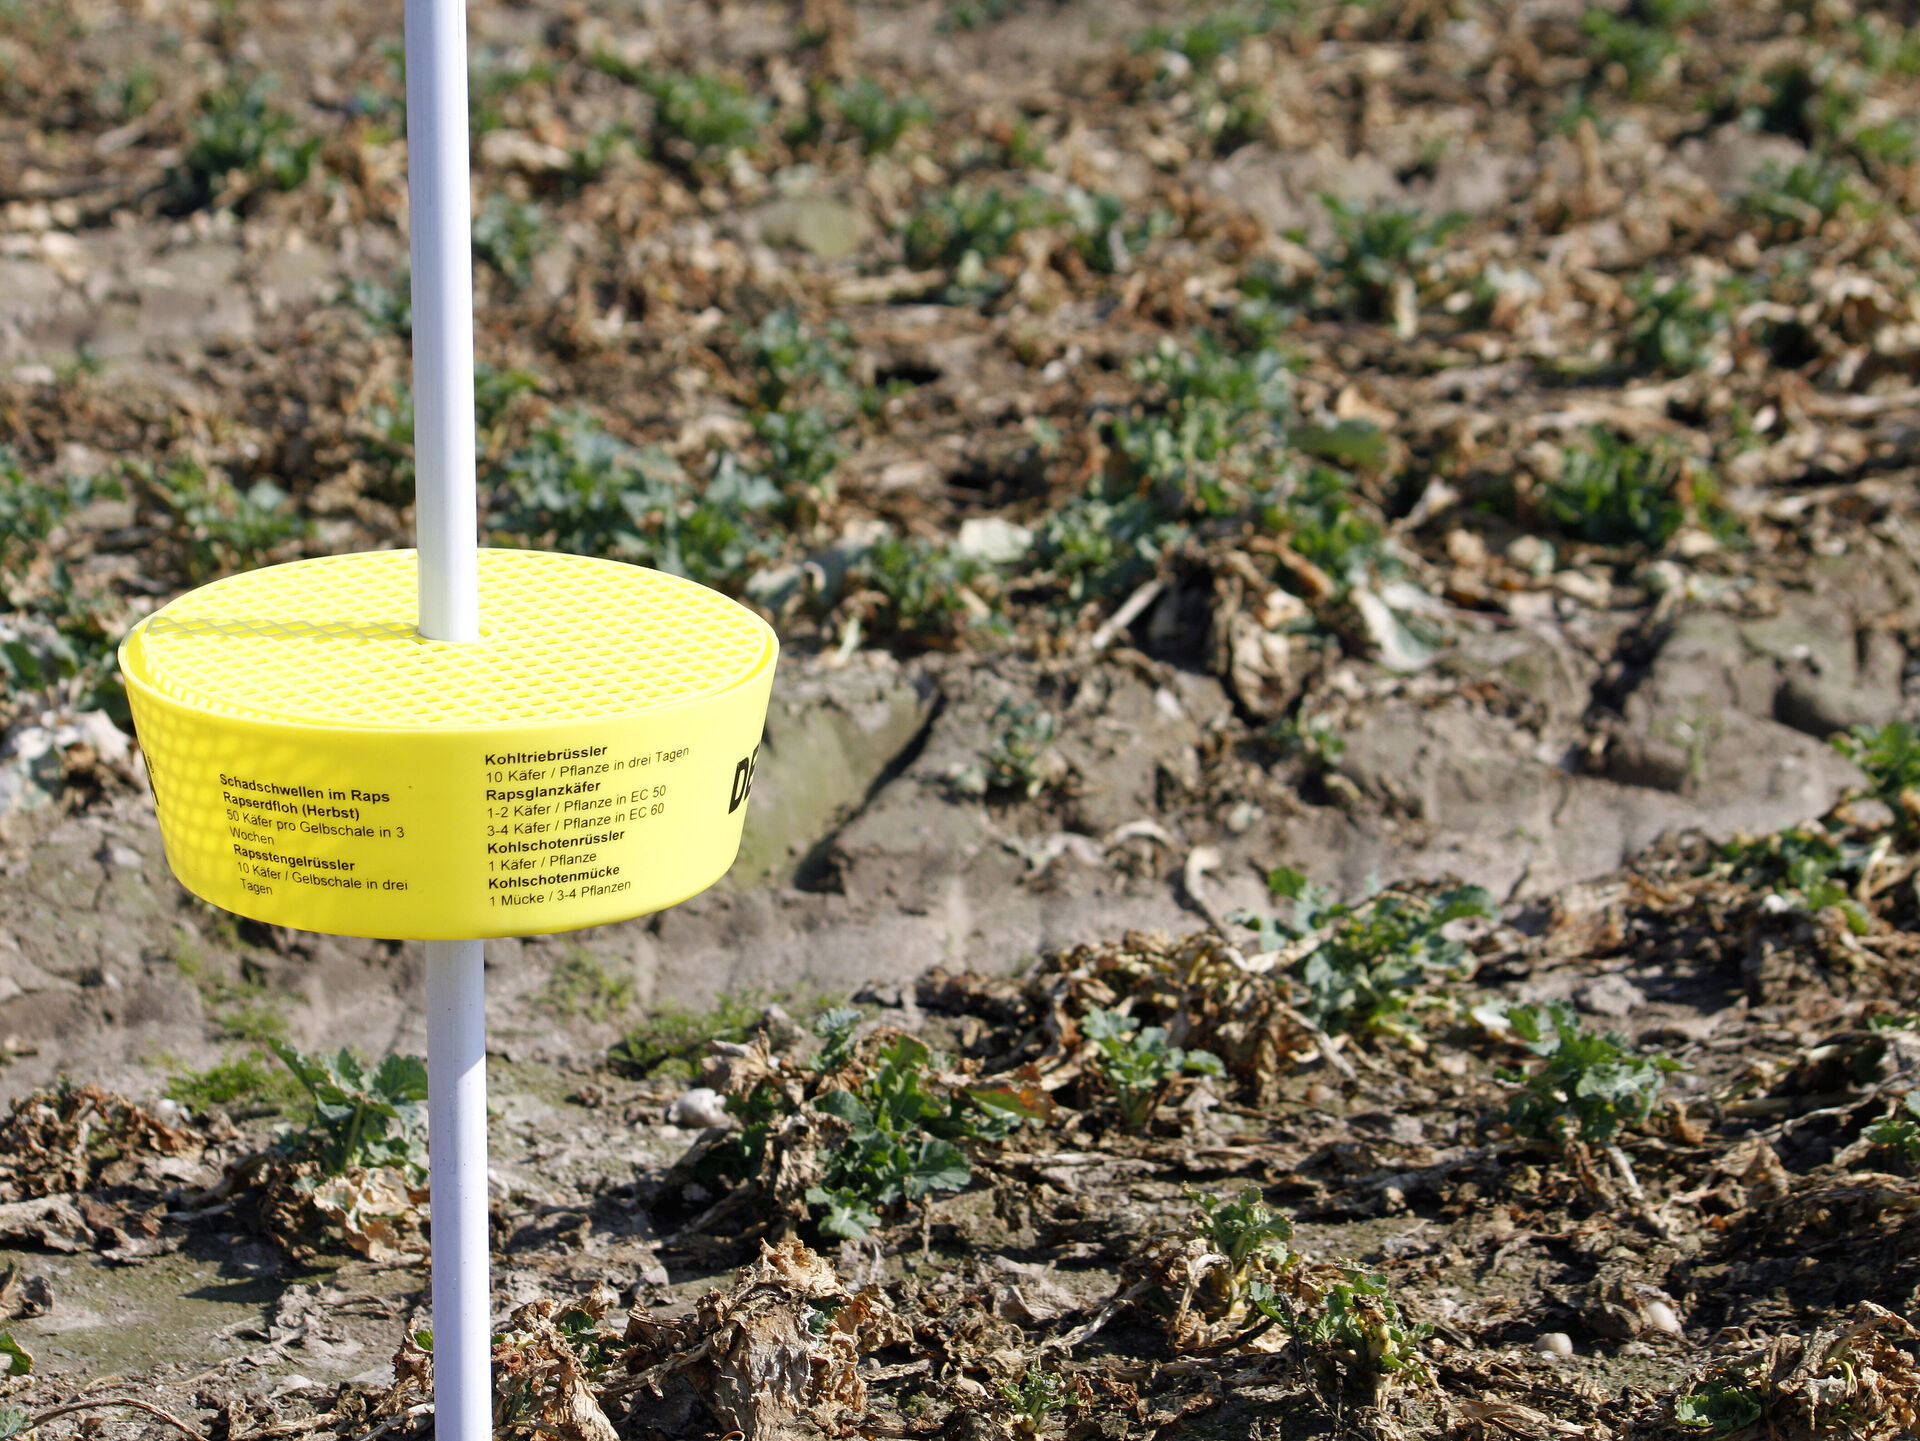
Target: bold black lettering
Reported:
point(743, 781)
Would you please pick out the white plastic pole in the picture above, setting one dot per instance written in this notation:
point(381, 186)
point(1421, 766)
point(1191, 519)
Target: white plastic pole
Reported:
point(441, 217)
point(457, 1137)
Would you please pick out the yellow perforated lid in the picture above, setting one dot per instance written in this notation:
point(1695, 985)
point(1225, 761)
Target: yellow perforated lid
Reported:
point(563, 637)
point(317, 764)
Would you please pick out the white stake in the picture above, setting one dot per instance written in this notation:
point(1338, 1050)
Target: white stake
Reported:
point(441, 210)
point(441, 218)
point(457, 1135)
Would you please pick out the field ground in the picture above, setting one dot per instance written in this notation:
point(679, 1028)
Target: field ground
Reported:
point(1321, 549)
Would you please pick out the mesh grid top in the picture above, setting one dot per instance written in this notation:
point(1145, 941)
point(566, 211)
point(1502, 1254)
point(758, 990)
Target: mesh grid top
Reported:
point(332, 642)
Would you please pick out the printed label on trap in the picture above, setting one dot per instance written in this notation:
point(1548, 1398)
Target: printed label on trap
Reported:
point(275, 826)
point(555, 818)
point(438, 836)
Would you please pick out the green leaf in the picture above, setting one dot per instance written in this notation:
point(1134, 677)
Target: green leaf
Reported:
point(1287, 883)
point(401, 1078)
point(19, 1359)
point(1102, 1025)
point(423, 1338)
point(1358, 443)
point(835, 1027)
point(1719, 1409)
point(847, 1216)
point(1029, 1102)
point(12, 1422)
point(849, 1108)
point(939, 1166)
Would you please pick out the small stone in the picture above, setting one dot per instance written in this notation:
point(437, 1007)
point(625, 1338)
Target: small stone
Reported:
point(1554, 1343)
point(1613, 996)
point(1661, 1317)
point(829, 227)
point(1533, 555)
point(993, 540)
point(1589, 590)
point(702, 1107)
point(1464, 548)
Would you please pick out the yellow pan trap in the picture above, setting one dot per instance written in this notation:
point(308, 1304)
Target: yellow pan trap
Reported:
point(318, 764)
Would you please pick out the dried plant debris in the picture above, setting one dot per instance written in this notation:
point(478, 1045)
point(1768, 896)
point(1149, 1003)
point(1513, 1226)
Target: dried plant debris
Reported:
point(78, 1138)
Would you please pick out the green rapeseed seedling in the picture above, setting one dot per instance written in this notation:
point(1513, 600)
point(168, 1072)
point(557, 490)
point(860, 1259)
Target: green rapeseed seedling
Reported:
point(1621, 492)
point(1320, 521)
point(241, 141)
point(1226, 115)
point(1097, 546)
point(671, 1040)
point(1034, 1397)
point(1802, 198)
point(384, 307)
point(803, 448)
point(836, 1029)
point(1900, 1132)
point(711, 113)
point(574, 486)
point(1361, 1332)
point(788, 358)
point(1018, 760)
point(1373, 957)
point(1591, 1085)
point(1806, 864)
point(904, 1118)
point(1675, 328)
point(1254, 1238)
point(224, 529)
point(363, 1118)
point(900, 1146)
point(1890, 756)
point(508, 234)
point(1886, 47)
point(1638, 50)
point(1139, 1064)
point(59, 631)
point(1213, 35)
point(964, 15)
point(977, 221)
point(1107, 232)
point(1210, 428)
point(877, 116)
point(29, 511)
point(1720, 1410)
point(920, 588)
point(1380, 250)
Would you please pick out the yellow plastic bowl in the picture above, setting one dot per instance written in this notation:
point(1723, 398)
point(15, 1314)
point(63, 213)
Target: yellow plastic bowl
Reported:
point(318, 765)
